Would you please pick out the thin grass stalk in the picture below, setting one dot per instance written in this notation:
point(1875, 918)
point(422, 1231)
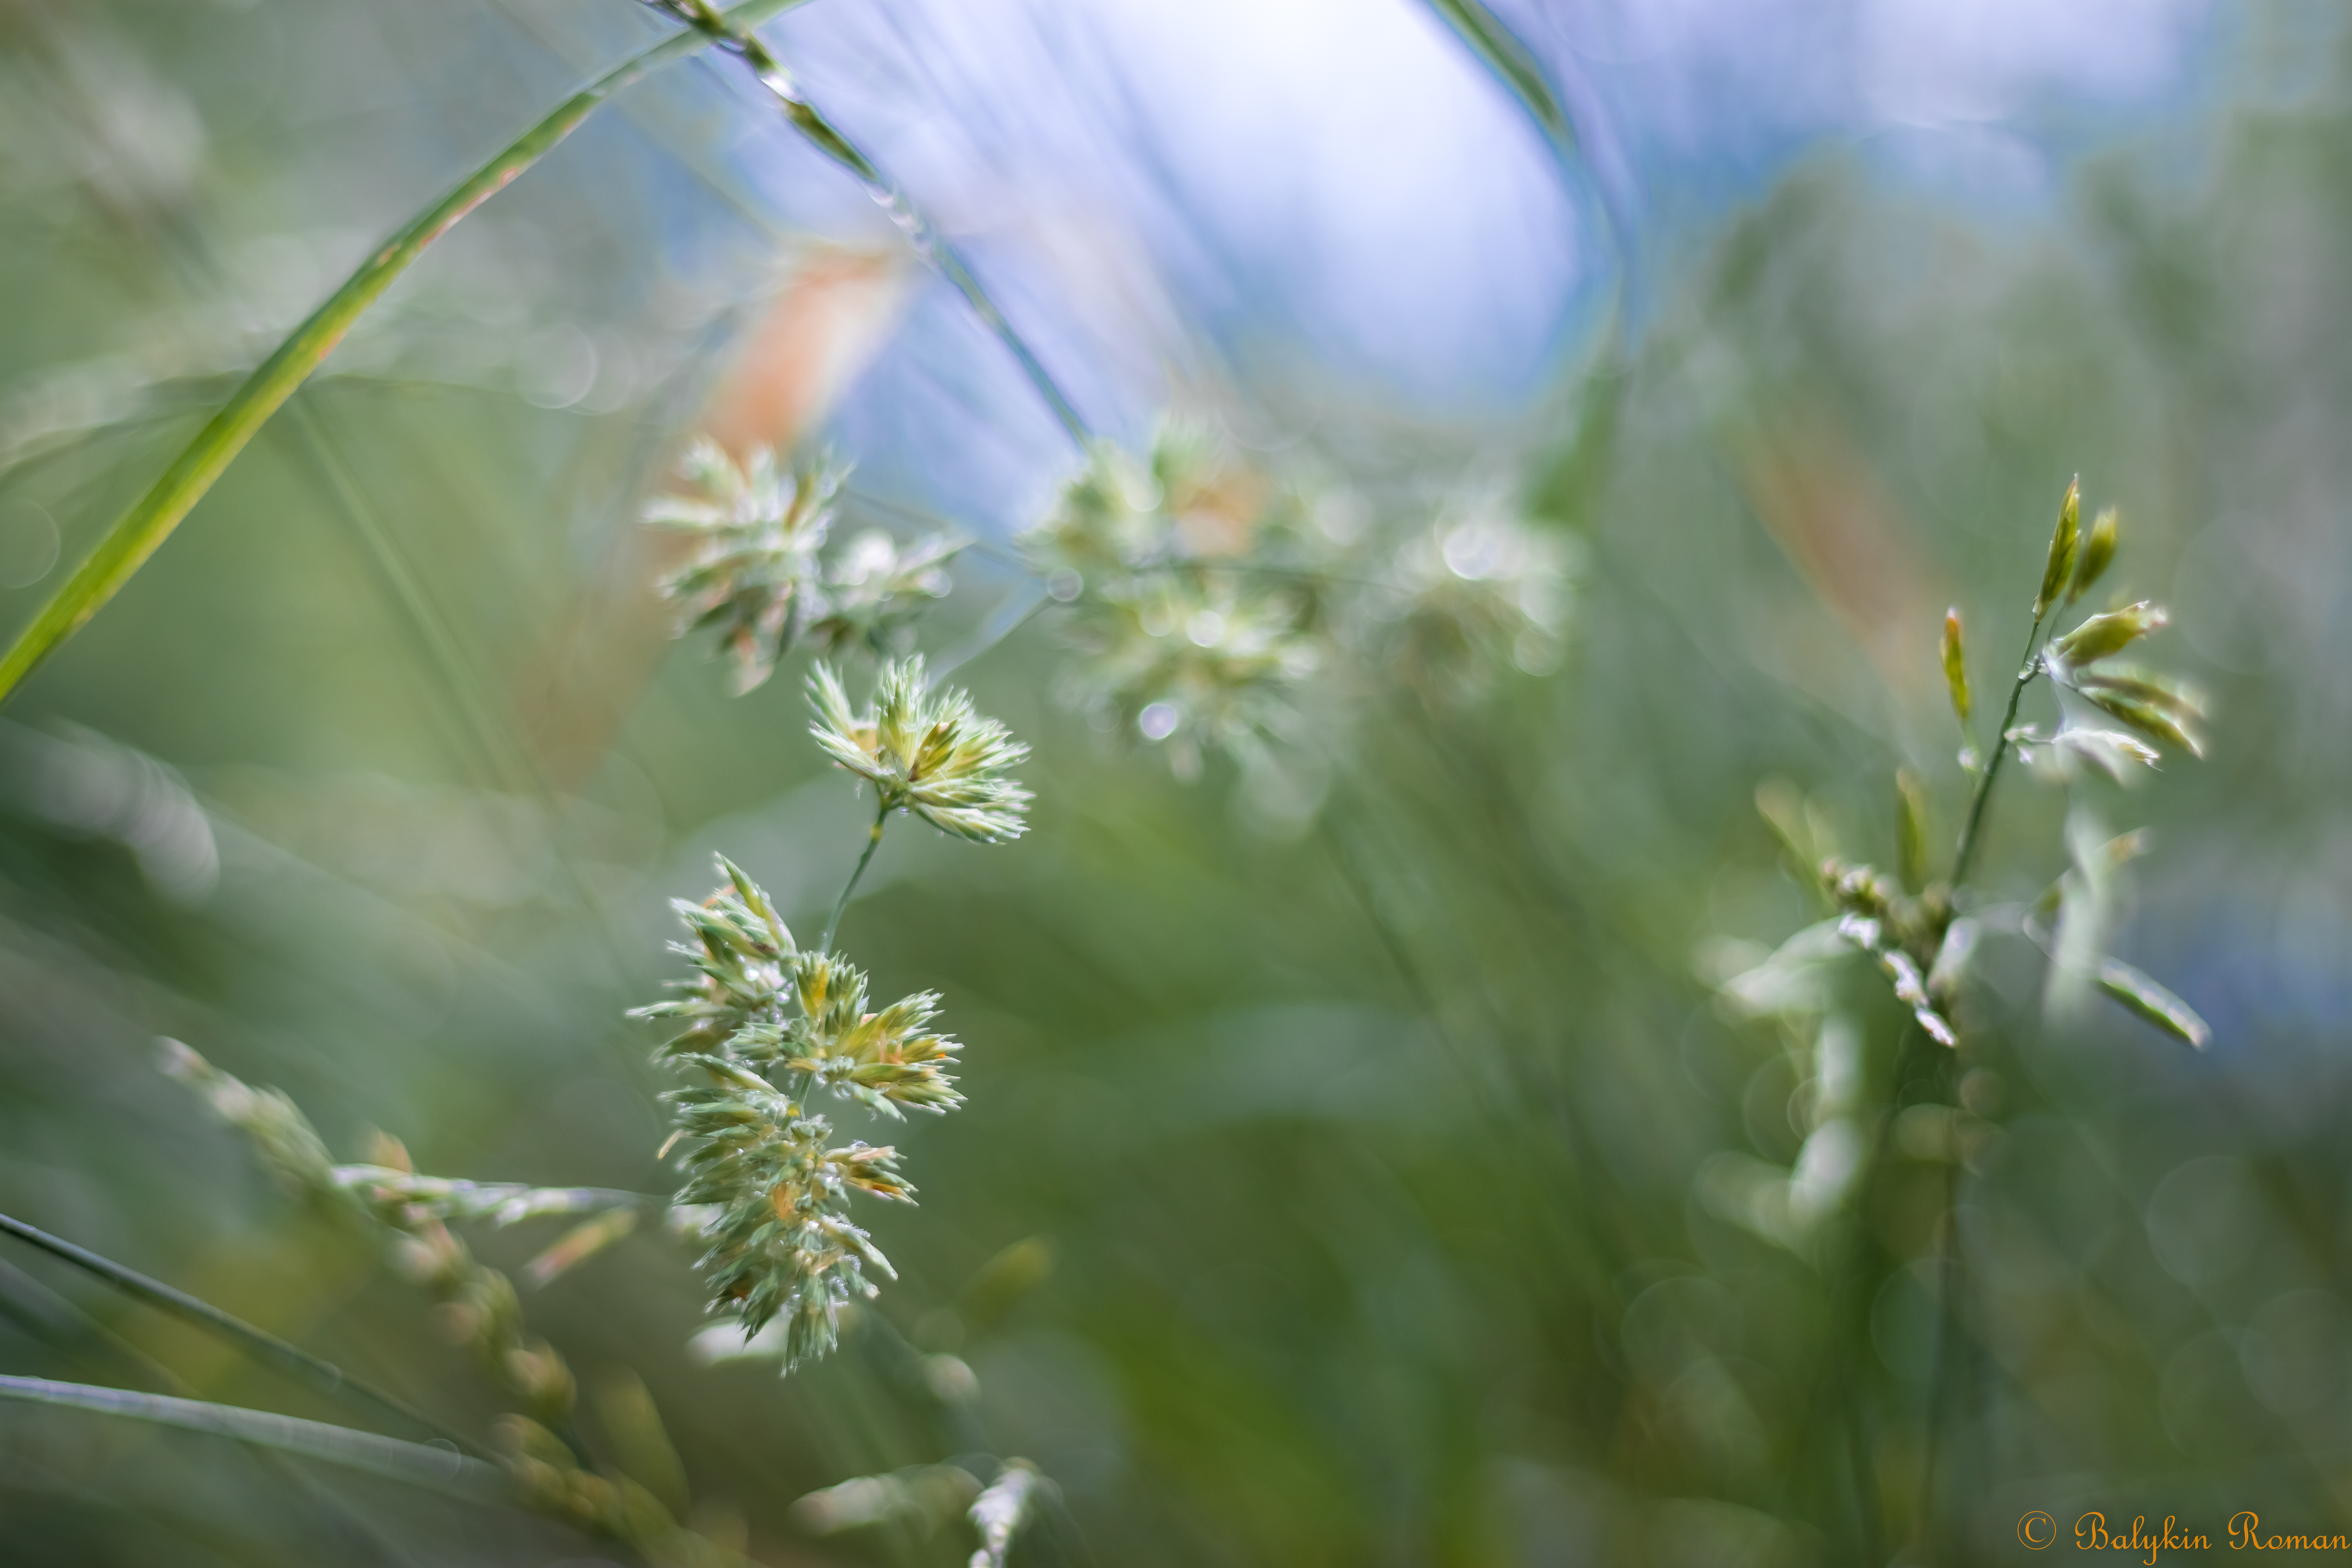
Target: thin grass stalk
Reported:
point(1975, 832)
point(357, 1536)
point(1515, 66)
point(502, 760)
point(313, 1372)
point(730, 29)
point(434, 1469)
point(1522, 75)
point(1944, 1385)
point(1017, 610)
point(140, 532)
point(841, 905)
point(497, 752)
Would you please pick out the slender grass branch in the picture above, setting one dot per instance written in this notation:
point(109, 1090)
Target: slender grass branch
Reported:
point(414, 1463)
point(316, 1373)
point(1516, 66)
point(1975, 831)
point(732, 31)
point(841, 905)
point(138, 533)
point(1522, 75)
point(74, 1331)
point(1020, 608)
point(1949, 1350)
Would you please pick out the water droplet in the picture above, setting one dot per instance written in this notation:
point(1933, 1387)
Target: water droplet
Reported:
point(29, 545)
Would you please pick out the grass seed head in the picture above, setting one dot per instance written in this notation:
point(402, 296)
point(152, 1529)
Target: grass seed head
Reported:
point(2098, 553)
point(2102, 636)
point(767, 1026)
point(1955, 666)
point(925, 751)
point(2064, 542)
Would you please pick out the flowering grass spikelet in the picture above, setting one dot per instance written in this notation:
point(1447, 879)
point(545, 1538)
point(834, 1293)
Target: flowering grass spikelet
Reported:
point(999, 1512)
point(2065, 540)
point(2098, 551)
point(1195, 594)
point(1956, 666)
point(765, 1026)
point(1209, 599)
point(925, 751)
point(758, 532)
point(760, 575)
point(2102, 636)
point(1480, 582)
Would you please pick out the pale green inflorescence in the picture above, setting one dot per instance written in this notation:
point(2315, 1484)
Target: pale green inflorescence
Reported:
point(761, 573)
point(924, 751)
point(1210, 602)
point(765, 1026)
point(1924, 931)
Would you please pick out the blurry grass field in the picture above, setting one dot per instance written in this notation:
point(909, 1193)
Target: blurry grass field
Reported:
point(1330, 1187)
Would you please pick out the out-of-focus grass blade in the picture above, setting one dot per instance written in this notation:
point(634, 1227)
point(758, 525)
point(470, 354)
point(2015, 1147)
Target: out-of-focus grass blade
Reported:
point(414, 1463)
point(138, 534)
point(289, 1360)
point(2152, 1002)
point(1501, 52)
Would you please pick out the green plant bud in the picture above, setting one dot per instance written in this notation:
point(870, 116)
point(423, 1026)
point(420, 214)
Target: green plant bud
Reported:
point(2101, 635)
point(2098, 551)
point(2148, 719)
point(1911, 829)
point(2153, 1003)
point(2064, 544)
point(1956, 668)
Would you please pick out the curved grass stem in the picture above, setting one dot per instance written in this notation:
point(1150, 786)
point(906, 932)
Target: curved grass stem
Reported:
point(138, 533)
point(732, 30)
point(841, 905)
point(291, 1361)
point(1975, 831)
point(414, 1463)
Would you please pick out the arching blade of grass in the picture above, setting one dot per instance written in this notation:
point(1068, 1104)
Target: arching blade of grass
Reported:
point(732, 29)
point(414, 1463)
point(323, 1376)
point(1499, 49)
point(1515, 66)
point(137, 535)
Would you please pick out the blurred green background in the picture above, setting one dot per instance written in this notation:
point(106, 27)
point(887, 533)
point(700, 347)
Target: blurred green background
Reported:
point(1330, 1188)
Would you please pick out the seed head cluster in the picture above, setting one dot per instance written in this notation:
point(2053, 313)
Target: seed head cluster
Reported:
point(764, 1028)
point(1203, 596)
point(925, 751)
point(760, 575)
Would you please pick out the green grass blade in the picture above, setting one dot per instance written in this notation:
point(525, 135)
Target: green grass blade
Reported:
point(1500, 52)
point(138, 534)
point(323, 1377)
point(1513, 65)
point(414, 1463)
point(928, 243)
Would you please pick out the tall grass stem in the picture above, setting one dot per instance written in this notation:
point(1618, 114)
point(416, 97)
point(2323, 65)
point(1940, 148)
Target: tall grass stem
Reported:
point(728, 28)
point(414, 1463)
point(321, 1376)
point(140, 532)
point(1975, 831)
point(841, 905)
